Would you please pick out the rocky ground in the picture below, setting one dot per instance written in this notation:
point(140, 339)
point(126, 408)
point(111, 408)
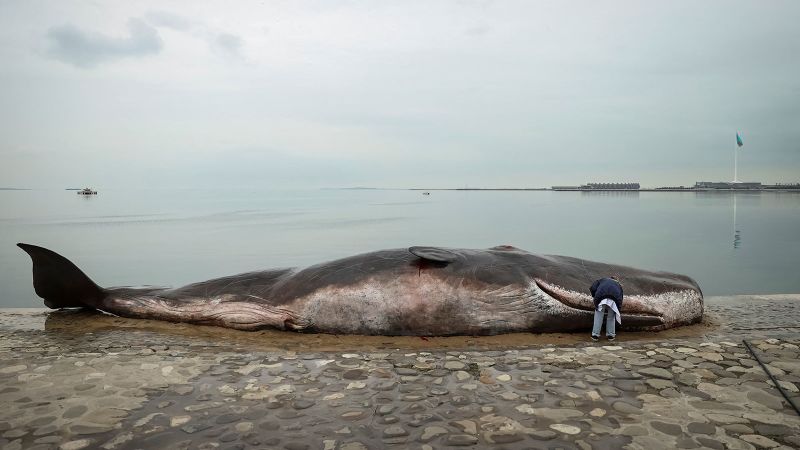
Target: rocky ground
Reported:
point(74, 381)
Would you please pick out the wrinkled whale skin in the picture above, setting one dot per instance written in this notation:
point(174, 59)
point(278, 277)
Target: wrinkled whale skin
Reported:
point(425, 291)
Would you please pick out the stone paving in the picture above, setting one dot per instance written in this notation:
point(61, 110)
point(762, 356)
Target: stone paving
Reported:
point(73, 381)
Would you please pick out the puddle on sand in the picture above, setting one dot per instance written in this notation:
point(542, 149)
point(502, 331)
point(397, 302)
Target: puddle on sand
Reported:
point(23, 319)
point(82, 321)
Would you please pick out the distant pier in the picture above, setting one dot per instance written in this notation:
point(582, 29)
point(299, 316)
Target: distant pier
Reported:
point(700, 186)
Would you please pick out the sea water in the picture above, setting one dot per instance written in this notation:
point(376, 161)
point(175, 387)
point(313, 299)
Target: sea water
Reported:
point(731, 243)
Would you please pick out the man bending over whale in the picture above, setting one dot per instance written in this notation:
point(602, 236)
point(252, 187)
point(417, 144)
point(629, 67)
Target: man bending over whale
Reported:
point(607, 294)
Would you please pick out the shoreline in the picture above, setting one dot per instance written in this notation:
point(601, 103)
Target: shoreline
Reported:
point(720, 191)
point(81, 321)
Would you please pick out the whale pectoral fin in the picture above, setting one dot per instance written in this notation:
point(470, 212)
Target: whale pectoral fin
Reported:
point(434, 254)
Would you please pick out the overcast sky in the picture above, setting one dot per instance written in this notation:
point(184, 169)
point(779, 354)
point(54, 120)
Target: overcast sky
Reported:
point(396, 94)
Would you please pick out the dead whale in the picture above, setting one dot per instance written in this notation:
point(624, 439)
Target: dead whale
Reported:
point(422, 291)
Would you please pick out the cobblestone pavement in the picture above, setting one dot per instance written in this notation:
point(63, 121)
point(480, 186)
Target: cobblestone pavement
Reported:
point(75, 381)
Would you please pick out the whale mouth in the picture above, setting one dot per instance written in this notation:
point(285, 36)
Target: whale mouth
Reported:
point(635, 316)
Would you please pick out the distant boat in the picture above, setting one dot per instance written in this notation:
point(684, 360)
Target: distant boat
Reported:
point(426, 193)
point(86, 191)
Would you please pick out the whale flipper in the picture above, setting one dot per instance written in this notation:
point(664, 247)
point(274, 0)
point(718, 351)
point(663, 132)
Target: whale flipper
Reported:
point(60, 282)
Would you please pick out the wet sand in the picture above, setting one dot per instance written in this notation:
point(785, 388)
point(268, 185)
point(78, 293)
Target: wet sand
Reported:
point(79, 321)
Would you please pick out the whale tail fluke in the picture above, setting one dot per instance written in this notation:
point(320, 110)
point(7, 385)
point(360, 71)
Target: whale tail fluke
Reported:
point(60, 282)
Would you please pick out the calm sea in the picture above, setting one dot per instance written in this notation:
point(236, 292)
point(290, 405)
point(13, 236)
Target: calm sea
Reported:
point(730, 243)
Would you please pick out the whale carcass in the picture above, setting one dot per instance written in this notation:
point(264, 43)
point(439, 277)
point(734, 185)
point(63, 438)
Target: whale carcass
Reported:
point(422, 291)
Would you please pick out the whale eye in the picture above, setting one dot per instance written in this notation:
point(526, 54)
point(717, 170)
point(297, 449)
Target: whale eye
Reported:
point(434, 254)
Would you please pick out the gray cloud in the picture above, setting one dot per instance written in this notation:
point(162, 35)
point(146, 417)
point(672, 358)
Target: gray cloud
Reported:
point(227, 44)
point(168, 20)
point(84, 49)
point(222, 43)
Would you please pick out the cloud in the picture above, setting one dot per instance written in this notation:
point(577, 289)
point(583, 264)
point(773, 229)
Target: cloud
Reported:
point(168, 20)
point(227, 44)
point(222, 43)
point(84, 49)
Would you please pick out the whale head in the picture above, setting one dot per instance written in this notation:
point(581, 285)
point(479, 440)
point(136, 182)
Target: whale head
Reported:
point(558, 287)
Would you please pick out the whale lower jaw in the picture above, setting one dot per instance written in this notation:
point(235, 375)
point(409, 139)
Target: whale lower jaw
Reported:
point(632, 321)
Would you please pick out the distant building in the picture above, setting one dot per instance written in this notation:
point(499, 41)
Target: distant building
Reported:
point(565, 188)
point(783, 186)
point(727, 185)
point(610, 186)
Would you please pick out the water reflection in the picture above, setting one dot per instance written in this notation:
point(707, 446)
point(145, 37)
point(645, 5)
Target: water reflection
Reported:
point(620, 193)
point(753, 198)
point(737, 237)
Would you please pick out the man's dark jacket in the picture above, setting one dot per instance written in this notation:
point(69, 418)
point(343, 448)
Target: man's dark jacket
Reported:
point(607, 288)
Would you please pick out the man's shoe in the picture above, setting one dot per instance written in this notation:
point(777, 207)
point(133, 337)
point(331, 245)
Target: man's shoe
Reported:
point(611, 338)
point(595, 338)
